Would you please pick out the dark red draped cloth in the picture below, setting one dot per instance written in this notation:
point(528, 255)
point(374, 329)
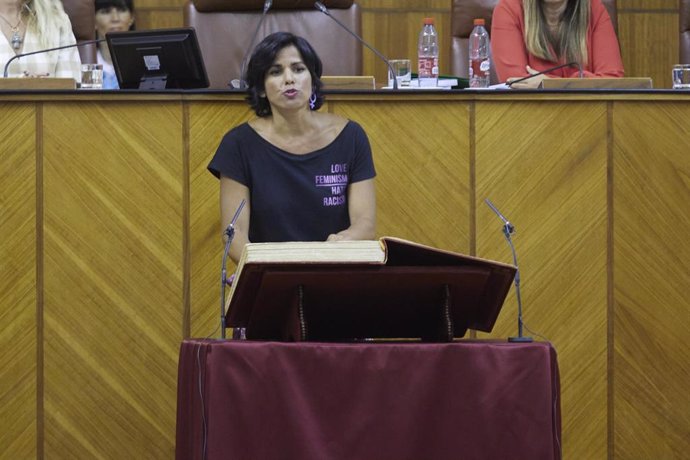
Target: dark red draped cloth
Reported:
point(461, 400)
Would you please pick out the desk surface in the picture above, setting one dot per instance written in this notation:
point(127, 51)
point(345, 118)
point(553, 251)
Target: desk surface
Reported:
point(266, 400)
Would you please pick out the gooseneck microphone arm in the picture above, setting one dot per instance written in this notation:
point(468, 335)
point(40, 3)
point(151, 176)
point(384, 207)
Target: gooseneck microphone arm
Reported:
point(243, 67)
point(321, 7)
point(73, 45)
point(569, 64)
point(508, 230)
point(230, 233)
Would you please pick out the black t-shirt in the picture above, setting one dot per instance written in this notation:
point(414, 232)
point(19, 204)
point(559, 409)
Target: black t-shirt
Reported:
point(295, 197)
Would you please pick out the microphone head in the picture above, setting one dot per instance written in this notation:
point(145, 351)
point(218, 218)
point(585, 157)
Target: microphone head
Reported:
point(321, 7)
point(267, 5)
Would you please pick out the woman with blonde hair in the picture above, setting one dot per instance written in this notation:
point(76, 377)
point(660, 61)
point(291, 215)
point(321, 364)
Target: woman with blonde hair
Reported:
point(33, 25)
point(530, 36)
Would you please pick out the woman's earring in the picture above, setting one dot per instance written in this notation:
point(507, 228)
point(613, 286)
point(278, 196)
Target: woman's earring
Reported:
point(312, 101)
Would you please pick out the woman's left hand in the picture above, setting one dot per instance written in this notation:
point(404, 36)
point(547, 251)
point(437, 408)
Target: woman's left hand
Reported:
point(28, 74)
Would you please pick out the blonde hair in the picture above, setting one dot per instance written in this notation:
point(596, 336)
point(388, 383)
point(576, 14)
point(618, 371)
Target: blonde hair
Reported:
point(44, 17)
point(570, 42)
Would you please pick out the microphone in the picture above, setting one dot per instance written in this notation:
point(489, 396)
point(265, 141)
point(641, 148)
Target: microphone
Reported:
point(241, 83)
point(73, 45)
point(569, 64)
point(321, 7)
point(508, 230)
point(230, 233)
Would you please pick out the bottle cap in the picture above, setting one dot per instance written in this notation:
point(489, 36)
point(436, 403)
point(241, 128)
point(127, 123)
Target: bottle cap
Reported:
point(479, 22)
point(428, 21)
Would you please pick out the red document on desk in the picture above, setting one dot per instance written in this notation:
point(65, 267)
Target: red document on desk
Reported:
point(390, 288)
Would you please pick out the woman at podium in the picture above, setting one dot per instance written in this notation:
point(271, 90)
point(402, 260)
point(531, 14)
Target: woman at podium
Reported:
point(533, 36)
point(36, 25)
point(305, 175)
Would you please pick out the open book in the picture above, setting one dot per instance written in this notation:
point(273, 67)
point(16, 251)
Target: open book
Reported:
point(350, 290)
point(359, 251)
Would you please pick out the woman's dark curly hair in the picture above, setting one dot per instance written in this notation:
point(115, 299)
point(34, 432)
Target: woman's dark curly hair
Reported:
point(262, 59)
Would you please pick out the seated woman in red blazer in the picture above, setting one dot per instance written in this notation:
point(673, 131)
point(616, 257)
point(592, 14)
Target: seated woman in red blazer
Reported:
point(530, 36)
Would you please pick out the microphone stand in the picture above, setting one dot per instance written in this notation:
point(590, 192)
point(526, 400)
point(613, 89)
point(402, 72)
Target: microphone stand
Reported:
point(73, 45)
point(241, 83)
point(321, 7)
point(569, 64)
point(230, 233)
point(508, 230)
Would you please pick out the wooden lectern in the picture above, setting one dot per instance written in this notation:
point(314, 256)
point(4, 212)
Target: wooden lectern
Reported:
point(417, 292)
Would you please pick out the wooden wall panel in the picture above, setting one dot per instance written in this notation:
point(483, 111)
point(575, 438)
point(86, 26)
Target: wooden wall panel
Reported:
point(18, 333)
point(408, 162)
point(646, 4)
point(553, 189)
point(208, 123)
point(395, 34)
point(128, 250)
point(649, 45)
point(159, 18)
point(113, 278)
point(652, 281)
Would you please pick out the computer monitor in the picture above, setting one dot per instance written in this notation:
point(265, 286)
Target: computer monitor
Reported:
point(157, 59)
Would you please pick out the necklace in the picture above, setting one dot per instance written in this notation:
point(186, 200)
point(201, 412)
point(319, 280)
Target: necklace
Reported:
point(16, 39)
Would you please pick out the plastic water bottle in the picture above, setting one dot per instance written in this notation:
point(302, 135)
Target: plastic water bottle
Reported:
point(480, 64)
point(427, 54)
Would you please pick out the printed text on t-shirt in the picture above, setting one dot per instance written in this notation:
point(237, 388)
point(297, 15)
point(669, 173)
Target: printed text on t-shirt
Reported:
point(337, 181)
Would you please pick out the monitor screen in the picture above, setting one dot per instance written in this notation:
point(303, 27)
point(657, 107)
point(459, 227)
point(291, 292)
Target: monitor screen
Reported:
point(157, 59)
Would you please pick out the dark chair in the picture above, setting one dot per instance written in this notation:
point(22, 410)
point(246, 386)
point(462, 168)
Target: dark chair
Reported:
point(684, 44)
point(463, 13)
point(82, 15)
point(225, 28)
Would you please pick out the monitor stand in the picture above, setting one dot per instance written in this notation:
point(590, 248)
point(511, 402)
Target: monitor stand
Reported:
point(153, 82)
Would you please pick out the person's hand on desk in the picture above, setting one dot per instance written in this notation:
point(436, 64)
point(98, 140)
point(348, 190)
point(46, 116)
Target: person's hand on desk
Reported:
point(530, 83)
point(28, 74)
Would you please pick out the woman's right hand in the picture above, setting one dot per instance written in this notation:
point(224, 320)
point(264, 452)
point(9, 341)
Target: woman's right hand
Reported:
point(530, 83)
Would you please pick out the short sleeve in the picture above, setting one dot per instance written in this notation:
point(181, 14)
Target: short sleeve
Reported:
point(228, 160)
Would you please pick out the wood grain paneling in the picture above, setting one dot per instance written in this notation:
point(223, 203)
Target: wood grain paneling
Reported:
point(18, 336)
point(652, 281)
point(113, 278)
point(209, 122)
point(121, 277)
point(552, 187)
point(395, 35)
point(159, 18)
point(647, 4)
point(409, 160)
point(649, 45)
